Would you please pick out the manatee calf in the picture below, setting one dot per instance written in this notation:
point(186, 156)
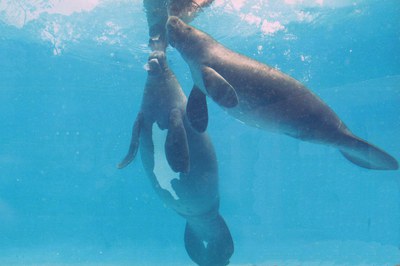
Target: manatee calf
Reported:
point(191, 189)
point(163, 104)
point(263, 97)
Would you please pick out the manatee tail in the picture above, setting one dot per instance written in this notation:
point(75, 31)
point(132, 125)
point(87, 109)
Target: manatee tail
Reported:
point(211, 248)
point(366, 155)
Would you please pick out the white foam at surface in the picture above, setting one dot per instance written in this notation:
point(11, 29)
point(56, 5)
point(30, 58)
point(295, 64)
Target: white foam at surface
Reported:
point(271, 16)
point(18, 13)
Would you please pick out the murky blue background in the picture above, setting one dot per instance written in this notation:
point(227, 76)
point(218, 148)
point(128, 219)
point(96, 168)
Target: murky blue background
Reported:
point(70, 87)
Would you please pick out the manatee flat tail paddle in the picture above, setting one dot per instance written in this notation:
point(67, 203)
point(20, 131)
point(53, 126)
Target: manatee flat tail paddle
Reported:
point(133, 148)
point(366, 155)
point(196, 110)
point(176, 143)
point(215, 251)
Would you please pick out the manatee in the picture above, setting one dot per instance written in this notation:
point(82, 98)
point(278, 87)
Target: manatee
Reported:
point(263, 97)
point(181, 164)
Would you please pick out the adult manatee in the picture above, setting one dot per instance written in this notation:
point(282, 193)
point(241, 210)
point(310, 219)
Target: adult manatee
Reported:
point(263, 97)
point(191, 189)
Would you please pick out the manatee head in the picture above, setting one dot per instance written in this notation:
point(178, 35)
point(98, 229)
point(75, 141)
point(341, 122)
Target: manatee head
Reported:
point(185, 38)
point(156, 62)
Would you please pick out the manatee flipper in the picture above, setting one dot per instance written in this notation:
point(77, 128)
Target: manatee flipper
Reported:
point(215, 251)
point(218, 88)
point(176, 143)
point(133, 148)
point(366, 155)
point(196, 110)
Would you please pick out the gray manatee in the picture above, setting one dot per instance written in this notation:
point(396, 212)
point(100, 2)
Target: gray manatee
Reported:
point(191, 189)
point(263, 97)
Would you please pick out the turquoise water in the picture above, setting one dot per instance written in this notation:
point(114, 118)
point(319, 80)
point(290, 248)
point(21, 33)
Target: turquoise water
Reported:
point(71, 84)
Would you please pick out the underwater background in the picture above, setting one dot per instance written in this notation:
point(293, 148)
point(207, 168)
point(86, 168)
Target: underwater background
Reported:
point(71, 82)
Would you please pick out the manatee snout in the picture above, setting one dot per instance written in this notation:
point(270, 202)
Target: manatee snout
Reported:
point(156, 62)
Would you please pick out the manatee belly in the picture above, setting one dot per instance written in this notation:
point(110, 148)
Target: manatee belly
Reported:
point(273, 101)
point(188, 194)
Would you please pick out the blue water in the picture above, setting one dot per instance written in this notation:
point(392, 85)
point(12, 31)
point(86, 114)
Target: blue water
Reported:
point(71, 85)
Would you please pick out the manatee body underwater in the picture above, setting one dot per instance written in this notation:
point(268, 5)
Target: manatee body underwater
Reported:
point(263, 97)
point(182, 167)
